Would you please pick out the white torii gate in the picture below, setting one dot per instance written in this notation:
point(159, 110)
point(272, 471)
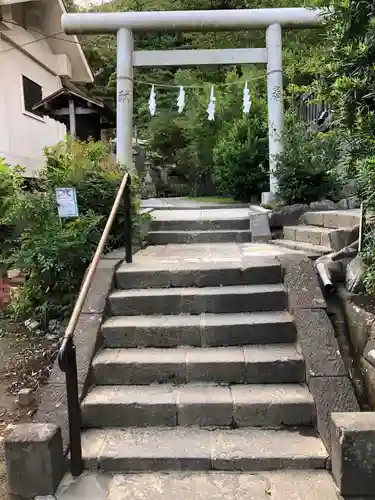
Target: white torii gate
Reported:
point(125, 23)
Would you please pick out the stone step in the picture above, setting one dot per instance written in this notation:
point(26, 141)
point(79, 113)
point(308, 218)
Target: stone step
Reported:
point(199, 330)
point(241, 224)
point(310, 250)
point(208, 485)
point(335, 239)
point(333, 219)
point(256, 364)
point(184, 237)
point(191, 448)
point(253, 272)
point(309, 234)
point(268, 405)
point(226, 299)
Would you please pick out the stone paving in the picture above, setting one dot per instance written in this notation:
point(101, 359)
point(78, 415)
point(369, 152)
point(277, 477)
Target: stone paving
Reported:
point(186, 256)
point(202, 214)
point(167, 203)
point(286, 485)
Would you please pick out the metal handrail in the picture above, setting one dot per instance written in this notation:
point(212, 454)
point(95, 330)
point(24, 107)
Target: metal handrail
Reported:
point(67, 353)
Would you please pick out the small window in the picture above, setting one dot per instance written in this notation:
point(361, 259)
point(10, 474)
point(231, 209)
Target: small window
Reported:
point(32, 94)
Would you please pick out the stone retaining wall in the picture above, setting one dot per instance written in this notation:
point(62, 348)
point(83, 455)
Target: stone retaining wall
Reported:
point(361, 328)
point(326, 373)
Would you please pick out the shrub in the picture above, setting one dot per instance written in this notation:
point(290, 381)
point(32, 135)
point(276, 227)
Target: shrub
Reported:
point(54, 254)
point(10, 184)
point(90, 168)
point(306, 168)
point(365, 179)
point(240, 156)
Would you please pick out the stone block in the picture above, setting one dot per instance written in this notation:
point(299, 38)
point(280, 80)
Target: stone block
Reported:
point(122, 406)
point(342, 237)
point(343, 204)
point(307, 235)
point(289, 233)
point(320, 348)
point(25, 397)
point(204, 405)
point(331, 394)
point(135, 449)
point(216, 300)
point(279, 364)
point(312, 219)
point(301, 283)
point(322, 205)
point(272, 405)
point(368, 374)
point(353, 275)
point(215, 365)
point(152, 331)
point(259, 450)
point(140, 367)
point(360, 323)
point(260, 227)
point(34, 459)
point(369, 350)
point(337, 219)
point(287, 216)
point(353, 452)
point(193, 237)
point(262, 328)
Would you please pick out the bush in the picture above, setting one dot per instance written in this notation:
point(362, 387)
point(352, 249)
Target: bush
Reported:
point(241, 158)
point(10, 183)
point(306, 168)
point(90, 168)
point(365, 179)
point(54, 254)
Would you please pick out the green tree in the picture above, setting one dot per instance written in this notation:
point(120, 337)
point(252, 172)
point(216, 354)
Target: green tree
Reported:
point(189, 140)
point(348, 72)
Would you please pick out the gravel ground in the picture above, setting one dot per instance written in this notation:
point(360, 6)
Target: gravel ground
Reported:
point(25, 362)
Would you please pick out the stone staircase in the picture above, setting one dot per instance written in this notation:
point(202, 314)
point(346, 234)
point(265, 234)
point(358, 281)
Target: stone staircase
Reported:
point(320, 233)
point(165, 232)
point(200, 370)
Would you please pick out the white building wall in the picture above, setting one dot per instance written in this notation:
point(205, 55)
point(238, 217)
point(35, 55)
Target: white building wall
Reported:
point(24, 135)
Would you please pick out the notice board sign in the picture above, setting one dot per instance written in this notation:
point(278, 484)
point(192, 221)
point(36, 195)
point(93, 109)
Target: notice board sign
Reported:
point(66, 199)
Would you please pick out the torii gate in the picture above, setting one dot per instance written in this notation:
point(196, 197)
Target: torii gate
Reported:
point(124, 23)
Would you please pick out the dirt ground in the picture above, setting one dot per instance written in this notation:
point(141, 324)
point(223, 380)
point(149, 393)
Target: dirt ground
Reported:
point(25, 362)
point(367, 302)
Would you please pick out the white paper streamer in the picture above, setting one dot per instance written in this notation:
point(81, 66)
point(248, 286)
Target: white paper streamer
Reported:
point(246, 100)
point(152, 101)
point(211, 105)
point(181, 100)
